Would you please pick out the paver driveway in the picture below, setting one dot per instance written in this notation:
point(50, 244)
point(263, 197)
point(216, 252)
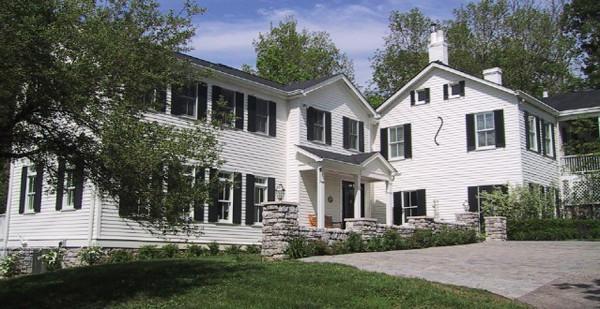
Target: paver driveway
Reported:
point(563, 274)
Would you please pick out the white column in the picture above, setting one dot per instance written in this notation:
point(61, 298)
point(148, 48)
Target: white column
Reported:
point(357, 196)
point(320, 198)
point(389, 206)
point(11, 176)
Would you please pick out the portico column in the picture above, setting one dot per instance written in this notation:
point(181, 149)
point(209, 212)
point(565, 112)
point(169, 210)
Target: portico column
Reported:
point(389, 210)
point(357, 197)
point(320, 198)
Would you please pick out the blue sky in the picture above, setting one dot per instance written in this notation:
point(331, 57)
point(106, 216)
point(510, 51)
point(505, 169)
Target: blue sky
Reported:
point(225, 32)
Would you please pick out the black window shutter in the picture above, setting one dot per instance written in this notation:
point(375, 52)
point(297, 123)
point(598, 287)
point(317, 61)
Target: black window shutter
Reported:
point(202, 100)
point(409, 211)
point(237, 198)
point(397, 208)
point(23, 189)
point(310, 122)
point(251, 113)
point(462, 88)
point(161, 97)
point(271, 189)
point(412, 97)
point(37, 200)
point(383, 142)
point(553, 141)
point(421, 203)
point(539, 135)
point(328, 128)
point(79, 182)
point(499, 124)
point(272, 118)
point(346, 130)
point(213, 209)
point(199, 205)
point(427, 95)
point(543, 137)
point(216, 109)
point(239, 110)
point(249, 199)
point(527, 141)
point(470, 132)
point(60, 184)
point(361, 136)
point(472, 198)
point(407, 141)
point(445, 91)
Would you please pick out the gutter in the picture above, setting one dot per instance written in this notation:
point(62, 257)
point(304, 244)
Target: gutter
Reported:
point(526, 97)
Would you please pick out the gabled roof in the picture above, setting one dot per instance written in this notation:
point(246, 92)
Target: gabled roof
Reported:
point(356, 159)
point(438, 65)
point(574, 100)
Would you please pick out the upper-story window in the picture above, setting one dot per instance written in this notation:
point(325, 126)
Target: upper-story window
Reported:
point(419, 97)
point(549, 139)
point(485, 130)
point(262, 116)
point(70, 188)
point(396, 142)
point(184, 100)
point(225, 198)
point(353, 134)
point(454, 90)
point(319, 126)
point(532, 132)
point(30, 189)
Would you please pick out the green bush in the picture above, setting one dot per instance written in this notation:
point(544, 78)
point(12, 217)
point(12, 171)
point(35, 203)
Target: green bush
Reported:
point(120, 256)
point(354, 242)
point(170, 251)
point(195, 251)
point(213, 248)
point(149, 252)
point(91, 255)
point(553, 229)
point(233, 250)
point(298, 247)
point(374, 244)
point(390, 240)
point(10, 266)
point(339, 247)
point(319, 247)
point(52, 259)
point(253, 249)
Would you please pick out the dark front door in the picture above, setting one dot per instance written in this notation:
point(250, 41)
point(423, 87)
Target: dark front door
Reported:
point(348, 201)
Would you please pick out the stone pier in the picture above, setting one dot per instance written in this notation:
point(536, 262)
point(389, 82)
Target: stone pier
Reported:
point(280, 225)
point(495, 228)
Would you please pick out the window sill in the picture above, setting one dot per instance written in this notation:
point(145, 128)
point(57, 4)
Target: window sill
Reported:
point(68, 210)
point(261, 134)
point(452, 97)
point(397, 159)
point(417, 103)
point(486, 148)
point(29, 213)
point(319, 143)
point(257, 225)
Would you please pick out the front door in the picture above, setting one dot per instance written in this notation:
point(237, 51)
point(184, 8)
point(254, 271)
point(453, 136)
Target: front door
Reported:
point(348, 201)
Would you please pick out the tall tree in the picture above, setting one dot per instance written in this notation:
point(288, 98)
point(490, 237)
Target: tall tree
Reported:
point(74, 73)
point(287, 55)
point(582, 21)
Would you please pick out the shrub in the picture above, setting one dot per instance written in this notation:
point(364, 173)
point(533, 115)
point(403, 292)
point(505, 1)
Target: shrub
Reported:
point(553, 229)
point(319, 247)
point(253, 249)
point(195, 251)
point(390, 240)
point(91, 255)
point(213, 248)
point(120, 256)
point(233, 250)
point(10, 266)
point(169, 251)
point(354, 243)
point(52, 259)
point(298, 247)
point(519, 203)
point(148, 252)
point(339, 247)
point(374, 244)
point(423, 239)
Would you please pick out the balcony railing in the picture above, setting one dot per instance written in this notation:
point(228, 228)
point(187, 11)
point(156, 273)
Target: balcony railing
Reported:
point(580, 163)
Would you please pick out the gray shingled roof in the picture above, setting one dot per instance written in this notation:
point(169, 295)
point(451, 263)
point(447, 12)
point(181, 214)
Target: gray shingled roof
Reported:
point(357, 159)
point(245, 75)
point(574, 100)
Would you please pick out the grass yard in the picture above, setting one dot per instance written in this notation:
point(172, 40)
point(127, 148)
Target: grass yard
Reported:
point(233, 282)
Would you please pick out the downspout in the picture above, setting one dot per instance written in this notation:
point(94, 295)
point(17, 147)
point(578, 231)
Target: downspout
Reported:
point(8, 211)
point(91, 220)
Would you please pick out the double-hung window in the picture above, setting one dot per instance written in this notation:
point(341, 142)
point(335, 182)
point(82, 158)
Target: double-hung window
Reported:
point(548, 139)
point(410, 204)
point(353, 134)
point(184, 100)
point(455, 90)
point(533, 132)
point(260, 197)
point(225, 199)
point(396, 142)
point(485, 130)
point(70, 188)
point(262, 116)
point(319, 126)
point(30, 189)
point(422, 96)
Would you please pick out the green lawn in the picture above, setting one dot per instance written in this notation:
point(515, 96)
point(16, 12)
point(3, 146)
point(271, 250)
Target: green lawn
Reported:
point(230, 282)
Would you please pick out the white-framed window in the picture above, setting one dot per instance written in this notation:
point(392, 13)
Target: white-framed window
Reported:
point(30, 189)
point(421, 96)
point(189, 172)
point(353, 133)
point(396, 142)
point(69, 201)
point(225, 200)
point(262, 116)
point(485, 132)
point(260, 197)
point(548, 139)
point(454, 90)
point(184, 100)
point(319, 126)
point(410, 203)
point(533, 132)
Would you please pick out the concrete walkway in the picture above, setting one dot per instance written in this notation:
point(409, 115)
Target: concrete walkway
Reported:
point(563, 274)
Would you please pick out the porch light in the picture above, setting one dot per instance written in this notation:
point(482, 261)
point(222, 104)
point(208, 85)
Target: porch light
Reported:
point(280, 192)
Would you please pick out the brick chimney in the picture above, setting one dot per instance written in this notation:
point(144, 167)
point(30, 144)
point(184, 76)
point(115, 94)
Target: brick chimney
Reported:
point(438, 47)
point(494, 75)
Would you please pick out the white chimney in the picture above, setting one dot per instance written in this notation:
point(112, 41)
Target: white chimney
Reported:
point(494, 75)
point(438, 48)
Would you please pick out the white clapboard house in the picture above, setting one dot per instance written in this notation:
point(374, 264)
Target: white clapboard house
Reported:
point(430, 149)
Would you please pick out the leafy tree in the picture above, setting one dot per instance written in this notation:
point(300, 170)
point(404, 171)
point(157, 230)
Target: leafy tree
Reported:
point(74, 73)
point(286, 55)
point(582, 21)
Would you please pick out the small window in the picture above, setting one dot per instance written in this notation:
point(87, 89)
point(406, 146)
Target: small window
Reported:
point(411, 205)
point(260, 197)
point(30, 197)
point(485, 130)
point(548, 139)
point(455, 90)
point(353, 133)
point(396, 142)
point(70, 189)
point(225, 199)
point(422, 96)
point(184, 100)
point(262, 116)
point(319, 126)
point(533, 133)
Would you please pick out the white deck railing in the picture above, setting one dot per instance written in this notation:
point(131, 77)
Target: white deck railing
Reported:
point(580, 163)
